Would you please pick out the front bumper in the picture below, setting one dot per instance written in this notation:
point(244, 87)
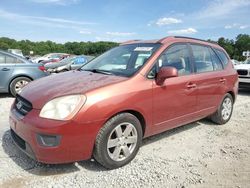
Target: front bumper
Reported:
point(76, 139)
point(244, 79)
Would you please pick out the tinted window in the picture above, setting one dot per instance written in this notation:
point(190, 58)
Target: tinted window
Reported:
point(19, 61)
point(216, 61)
point(2, 59)
point(10, 60)
point(176, 56)
point(123, 60)
point(222, 56)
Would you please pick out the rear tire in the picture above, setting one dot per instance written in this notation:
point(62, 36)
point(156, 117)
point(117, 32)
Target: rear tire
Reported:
point(17, 84)
point(224, 112)
point(118, 141)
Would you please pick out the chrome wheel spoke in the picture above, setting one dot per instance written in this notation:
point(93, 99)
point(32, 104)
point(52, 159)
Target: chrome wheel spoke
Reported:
point(131, 139)
point(128, 130)
point(112, 143)
point(20, 84)
point(118, 131)
point(116, 153)
point(126, 151)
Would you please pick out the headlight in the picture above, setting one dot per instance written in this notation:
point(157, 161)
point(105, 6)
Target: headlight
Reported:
point(63, 108)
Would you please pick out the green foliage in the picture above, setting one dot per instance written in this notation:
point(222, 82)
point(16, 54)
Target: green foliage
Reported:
point(42, 48)
point(233, 47)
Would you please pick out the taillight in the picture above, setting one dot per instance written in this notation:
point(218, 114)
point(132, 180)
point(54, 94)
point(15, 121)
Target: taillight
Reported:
point(42, 68)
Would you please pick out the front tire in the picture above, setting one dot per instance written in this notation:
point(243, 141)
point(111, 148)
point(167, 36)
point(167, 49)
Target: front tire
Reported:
point(118, 141)
point(17, 84)
point(224, 112)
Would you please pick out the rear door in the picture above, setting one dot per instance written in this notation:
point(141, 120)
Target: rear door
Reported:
point(7, 65)
point(210, 78)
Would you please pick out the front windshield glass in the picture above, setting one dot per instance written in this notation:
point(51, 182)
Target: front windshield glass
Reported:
point(247, 61)
point(123, 60)
point(68, 59)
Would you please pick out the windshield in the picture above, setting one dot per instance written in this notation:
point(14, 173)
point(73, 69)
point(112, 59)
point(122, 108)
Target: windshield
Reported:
point(68, 59)
point(247, 61)
point(123, 60)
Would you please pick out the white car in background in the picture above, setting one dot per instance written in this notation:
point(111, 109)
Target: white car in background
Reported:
point(244, 73)
point(48, 57)
point(235, 62)
point(16, 52)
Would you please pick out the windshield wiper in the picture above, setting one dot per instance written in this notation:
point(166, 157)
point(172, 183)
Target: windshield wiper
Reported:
point(98, 71)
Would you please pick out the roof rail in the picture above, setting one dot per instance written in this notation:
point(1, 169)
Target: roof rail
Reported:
point(196, 39)
point(129, 41)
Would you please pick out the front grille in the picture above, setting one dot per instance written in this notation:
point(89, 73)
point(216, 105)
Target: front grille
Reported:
point(242, 72)
point(22, 105)
point(18, 140)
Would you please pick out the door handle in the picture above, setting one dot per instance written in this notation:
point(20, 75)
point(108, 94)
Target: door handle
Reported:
point(223, 80)
point(5, 69)
point(191, 85)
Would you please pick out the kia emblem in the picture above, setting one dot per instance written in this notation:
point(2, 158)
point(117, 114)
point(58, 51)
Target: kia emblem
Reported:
point(19, 105)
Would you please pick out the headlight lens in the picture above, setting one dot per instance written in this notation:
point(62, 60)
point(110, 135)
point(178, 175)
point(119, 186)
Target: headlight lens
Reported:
point(63, 108)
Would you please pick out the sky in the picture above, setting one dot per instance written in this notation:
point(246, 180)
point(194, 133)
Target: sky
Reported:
point(120, 20)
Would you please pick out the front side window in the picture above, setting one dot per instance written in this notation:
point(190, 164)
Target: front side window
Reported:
point(176, 56)
point(123, 60)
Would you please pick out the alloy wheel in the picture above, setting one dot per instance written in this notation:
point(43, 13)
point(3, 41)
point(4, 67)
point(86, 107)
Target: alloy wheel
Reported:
point(122, 141)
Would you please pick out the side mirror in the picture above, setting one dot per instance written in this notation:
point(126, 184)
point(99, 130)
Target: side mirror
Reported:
point(164, 73)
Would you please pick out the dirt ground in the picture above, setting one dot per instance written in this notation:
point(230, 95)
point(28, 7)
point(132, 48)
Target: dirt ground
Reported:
point(200, 154)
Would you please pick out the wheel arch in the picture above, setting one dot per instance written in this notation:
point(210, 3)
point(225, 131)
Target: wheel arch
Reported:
point(137, 114)
point(17, 76)
point(232, 94)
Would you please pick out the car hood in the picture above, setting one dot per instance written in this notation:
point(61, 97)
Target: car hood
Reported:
point(40, 91)
point(243, 66)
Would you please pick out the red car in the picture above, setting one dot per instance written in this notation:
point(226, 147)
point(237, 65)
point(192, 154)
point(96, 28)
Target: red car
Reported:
point(133, 91)
point(56, 60)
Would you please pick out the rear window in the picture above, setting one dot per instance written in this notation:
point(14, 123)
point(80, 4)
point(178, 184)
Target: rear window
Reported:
point(222, 56)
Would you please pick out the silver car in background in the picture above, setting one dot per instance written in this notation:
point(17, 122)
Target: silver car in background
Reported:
point(16, 72)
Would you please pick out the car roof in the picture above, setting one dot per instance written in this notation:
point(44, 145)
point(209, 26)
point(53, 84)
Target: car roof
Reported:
point(171, 39)
point(14, 55)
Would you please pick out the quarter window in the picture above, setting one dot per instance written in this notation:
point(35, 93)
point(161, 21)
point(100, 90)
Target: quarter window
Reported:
point(222, 56)
point(176, 56)
point(216, 61)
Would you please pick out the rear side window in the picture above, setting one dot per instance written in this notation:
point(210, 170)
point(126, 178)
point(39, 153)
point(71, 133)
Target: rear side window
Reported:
point(222, 56)
point(176, 56)
point(202, 58)
point(10, 60)
point(205, 59)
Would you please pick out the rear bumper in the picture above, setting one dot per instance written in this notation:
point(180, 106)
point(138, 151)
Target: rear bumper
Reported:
point(76, 140)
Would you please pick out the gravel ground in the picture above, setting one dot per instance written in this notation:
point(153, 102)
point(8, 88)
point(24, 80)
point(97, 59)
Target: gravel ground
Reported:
point(199, 154)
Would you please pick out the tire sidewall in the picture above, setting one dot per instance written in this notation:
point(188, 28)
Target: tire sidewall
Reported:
point(104, 153)
point(13, 84)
